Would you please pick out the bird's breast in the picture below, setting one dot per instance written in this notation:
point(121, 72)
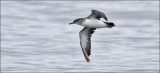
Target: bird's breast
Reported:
point(93, 23)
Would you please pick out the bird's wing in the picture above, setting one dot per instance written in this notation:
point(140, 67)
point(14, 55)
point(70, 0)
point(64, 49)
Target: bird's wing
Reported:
point(85, 42)
point(97, 15)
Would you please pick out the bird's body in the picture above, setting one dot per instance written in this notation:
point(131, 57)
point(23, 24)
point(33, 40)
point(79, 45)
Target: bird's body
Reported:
point(90, 24)
point(93, 23)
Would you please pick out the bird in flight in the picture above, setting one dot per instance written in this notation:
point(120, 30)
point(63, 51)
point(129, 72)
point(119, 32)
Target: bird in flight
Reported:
point(90, 23)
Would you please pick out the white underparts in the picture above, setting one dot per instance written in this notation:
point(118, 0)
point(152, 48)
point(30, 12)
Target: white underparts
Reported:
point(93, 23)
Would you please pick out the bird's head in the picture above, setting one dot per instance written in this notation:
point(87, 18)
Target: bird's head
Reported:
point(77, 21)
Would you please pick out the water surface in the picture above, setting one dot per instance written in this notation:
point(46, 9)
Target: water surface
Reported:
point(36, 37)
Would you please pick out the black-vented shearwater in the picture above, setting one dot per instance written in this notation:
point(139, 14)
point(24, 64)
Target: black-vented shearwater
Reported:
point(90, 24)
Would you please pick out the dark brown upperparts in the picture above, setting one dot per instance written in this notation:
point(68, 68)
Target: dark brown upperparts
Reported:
point(110, 24)
point(79, 20)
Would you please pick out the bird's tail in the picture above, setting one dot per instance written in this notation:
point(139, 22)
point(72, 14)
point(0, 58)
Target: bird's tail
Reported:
point(109, 24)
point(85, 55)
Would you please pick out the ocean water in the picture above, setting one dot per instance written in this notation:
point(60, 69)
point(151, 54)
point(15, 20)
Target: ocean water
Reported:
point(36, 37)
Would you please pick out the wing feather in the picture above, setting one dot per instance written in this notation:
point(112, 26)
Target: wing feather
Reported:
point(97, 15)
point(85, 42)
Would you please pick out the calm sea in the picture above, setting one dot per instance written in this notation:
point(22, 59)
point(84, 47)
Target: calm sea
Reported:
point(36, 37)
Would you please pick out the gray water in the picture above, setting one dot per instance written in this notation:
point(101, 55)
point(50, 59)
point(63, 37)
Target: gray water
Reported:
point(36, 37)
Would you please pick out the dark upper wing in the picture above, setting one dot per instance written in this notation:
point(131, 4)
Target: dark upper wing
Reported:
point(97, 15)
point(85, 42)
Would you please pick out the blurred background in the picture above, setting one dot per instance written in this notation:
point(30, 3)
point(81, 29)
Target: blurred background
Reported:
point(36, 37)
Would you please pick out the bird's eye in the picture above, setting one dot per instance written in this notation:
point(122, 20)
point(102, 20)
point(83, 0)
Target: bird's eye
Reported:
point(75, 21)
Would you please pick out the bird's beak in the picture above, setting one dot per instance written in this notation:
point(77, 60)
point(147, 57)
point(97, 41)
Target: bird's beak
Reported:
point(70, 23)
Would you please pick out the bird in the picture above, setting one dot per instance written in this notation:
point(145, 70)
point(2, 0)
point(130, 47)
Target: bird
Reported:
point(90, 23)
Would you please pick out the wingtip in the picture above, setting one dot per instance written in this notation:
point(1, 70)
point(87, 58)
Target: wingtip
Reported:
point(93, 10)
point(86, 56)
point(88, 60)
